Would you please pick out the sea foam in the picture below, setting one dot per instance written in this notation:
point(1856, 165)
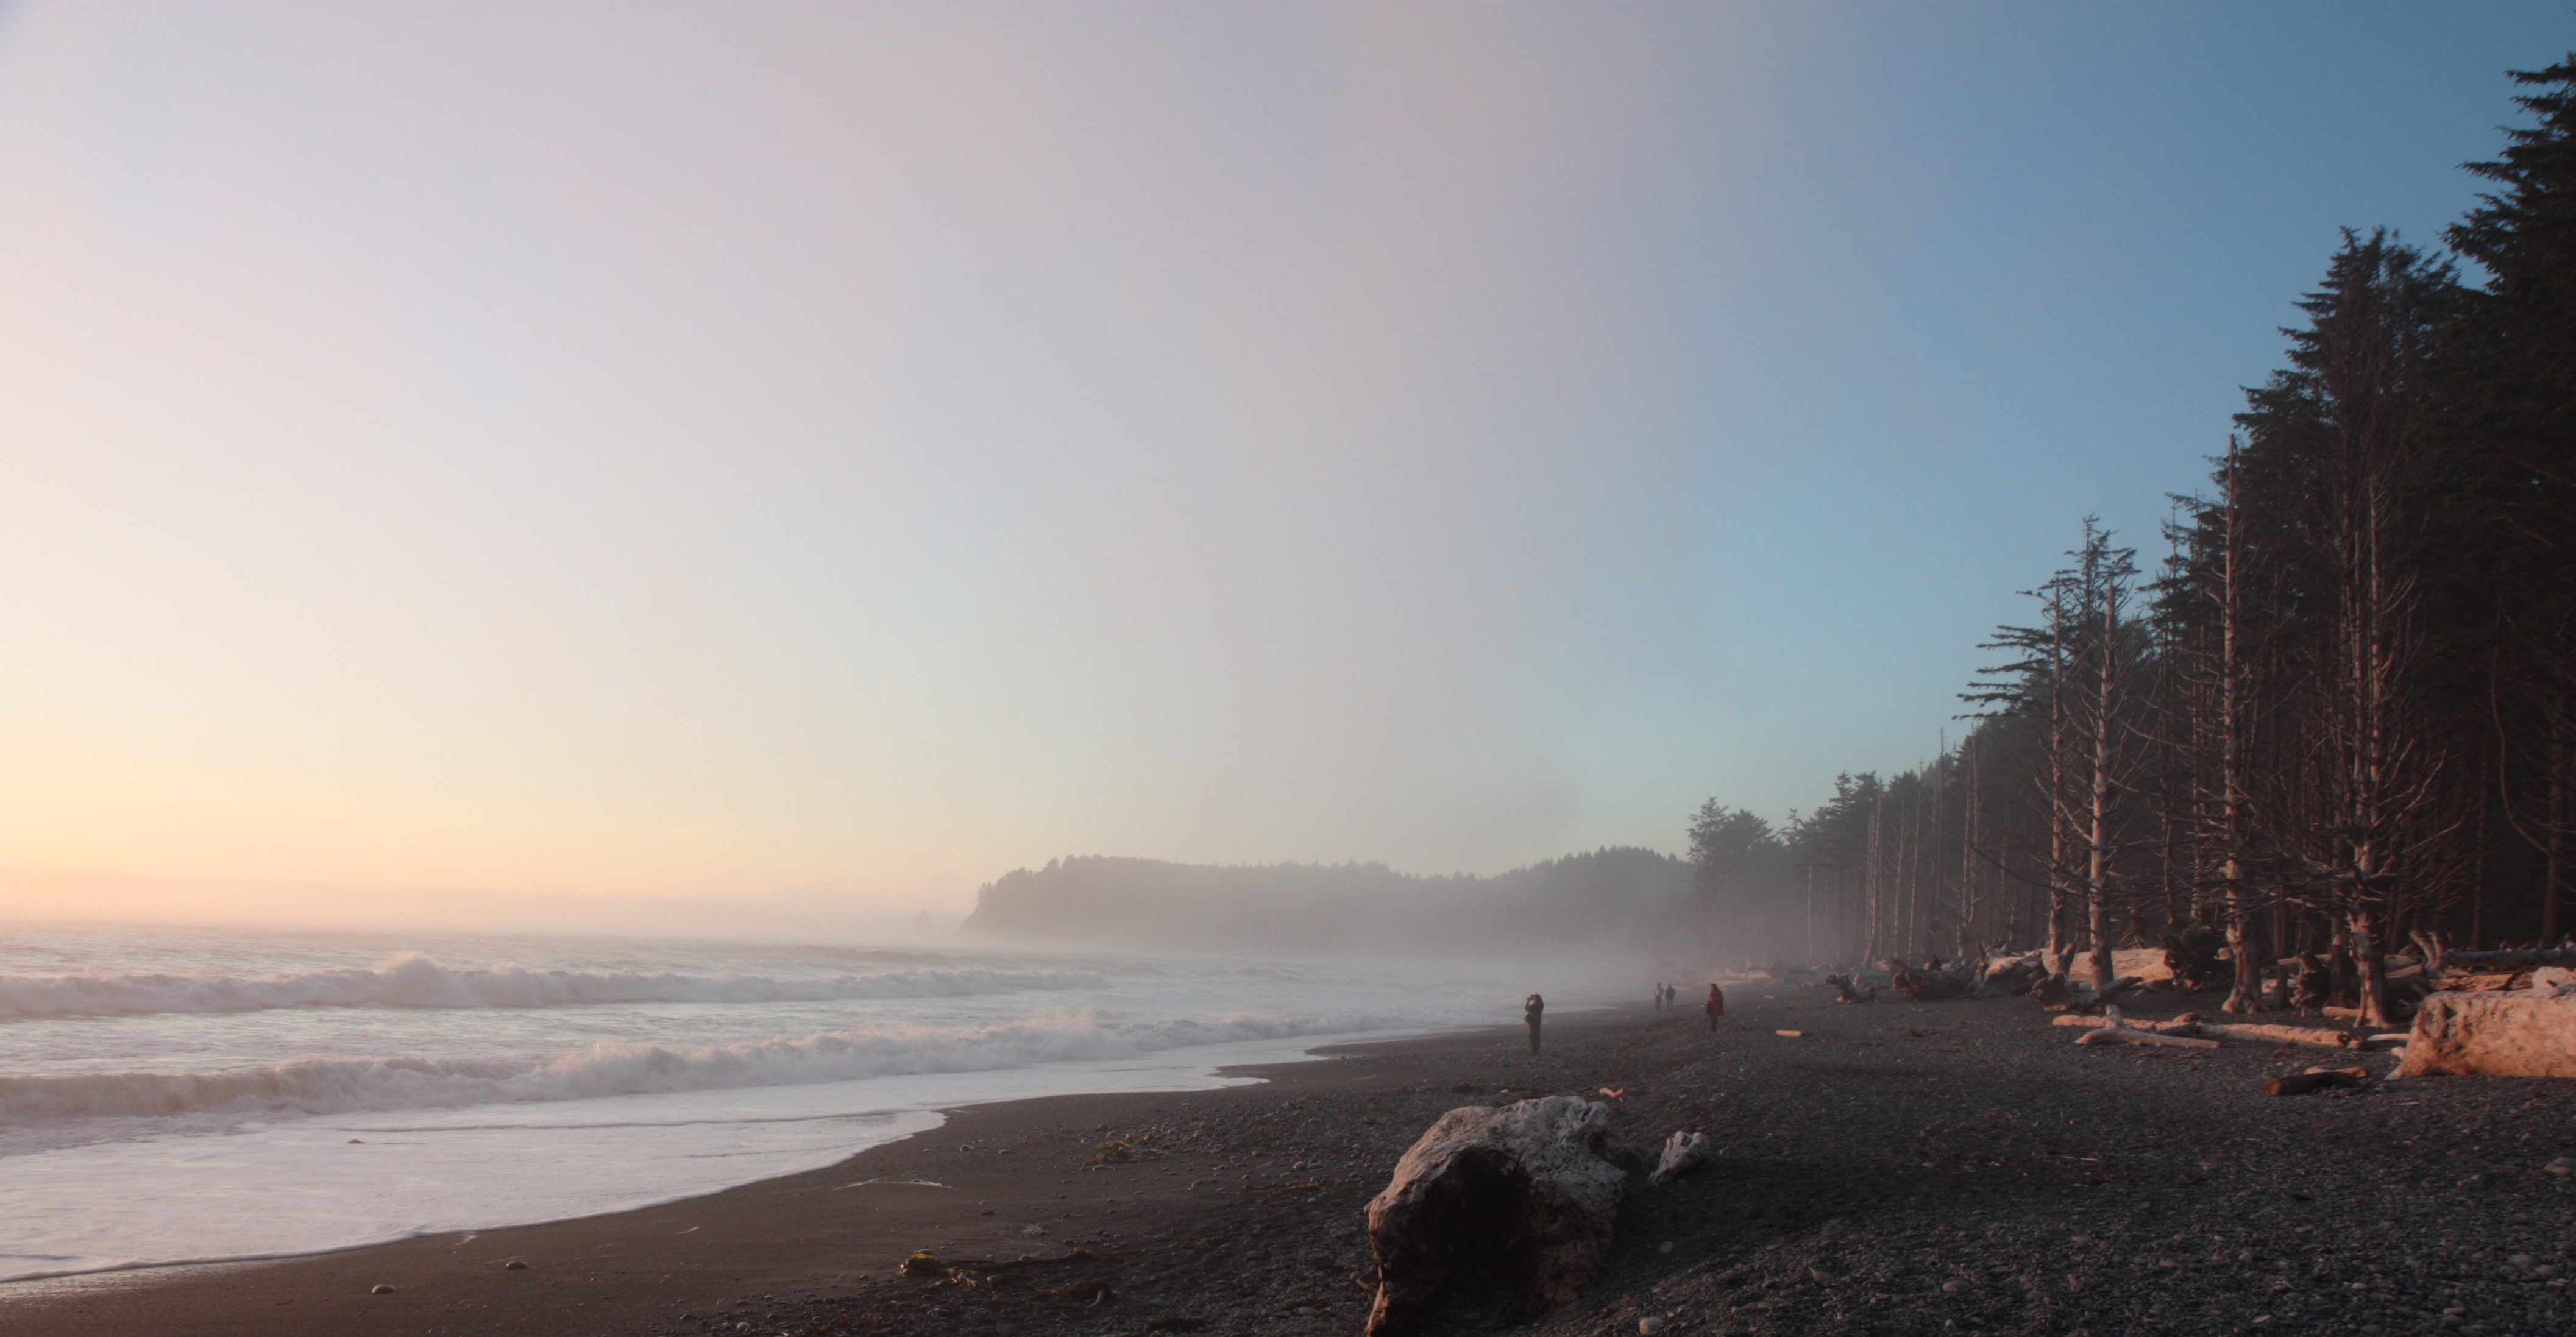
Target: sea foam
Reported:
point(415, 981)
point(342, 1085)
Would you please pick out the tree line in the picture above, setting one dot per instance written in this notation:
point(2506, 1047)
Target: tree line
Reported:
point(2334, 716)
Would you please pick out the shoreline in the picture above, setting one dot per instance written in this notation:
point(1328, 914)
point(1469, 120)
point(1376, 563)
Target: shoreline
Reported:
point(1941, 1168)
point(867, 1112)
point(74, 1300)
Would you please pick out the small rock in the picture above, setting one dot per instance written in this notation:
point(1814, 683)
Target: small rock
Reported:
point(380, 1288)
point(1953, 1287)
point(1650, 1325)
point(2036, 1297)
point(2520, 1260)
point(514, 1265)
point(1665, 1247)
point(2564, 1165)
point(1790, 1035)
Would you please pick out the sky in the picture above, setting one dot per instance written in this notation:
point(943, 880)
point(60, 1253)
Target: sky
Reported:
point(776, 467)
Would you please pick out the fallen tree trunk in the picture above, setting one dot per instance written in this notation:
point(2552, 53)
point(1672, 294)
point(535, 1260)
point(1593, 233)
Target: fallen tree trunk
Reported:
point(2522, 1034)
point(2112, 1032)
point(2522, 960)
point(2249, 1032)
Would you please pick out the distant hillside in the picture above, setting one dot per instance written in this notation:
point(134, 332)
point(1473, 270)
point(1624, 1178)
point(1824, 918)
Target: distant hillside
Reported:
point(1623, 898)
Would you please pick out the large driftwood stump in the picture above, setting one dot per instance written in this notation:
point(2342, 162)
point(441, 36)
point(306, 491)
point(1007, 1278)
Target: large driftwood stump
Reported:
point(1521, 1194)
point(2527, 1033)
point(2010, 977)
point(1932, 984)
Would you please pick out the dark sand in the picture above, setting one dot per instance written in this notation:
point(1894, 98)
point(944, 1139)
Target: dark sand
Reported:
point(1900, 1168)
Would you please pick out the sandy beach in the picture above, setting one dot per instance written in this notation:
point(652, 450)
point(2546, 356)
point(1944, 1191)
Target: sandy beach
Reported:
point(1894, 1168)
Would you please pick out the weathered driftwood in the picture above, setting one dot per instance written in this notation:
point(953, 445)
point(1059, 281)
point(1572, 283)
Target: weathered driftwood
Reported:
point(2249, 1032)
point(2113, 1032)
point(2316, 1079)
point(2522, 960)
point(2058, 995)
point(1931, 984)
point(2192, 956)
point(1524, 1192)
point(1683, 1153)
point(2257, 1032)
point(2527, 1033)
point(2010, 976)
point(1847, 991)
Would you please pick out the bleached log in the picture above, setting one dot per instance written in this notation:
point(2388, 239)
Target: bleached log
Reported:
point(2177, 1026)
point(2526, 1033)
point(2258, 1032)
point(2112, 1032)
point(2522, 960)
point(2108, 1035)
point(2249, 1032)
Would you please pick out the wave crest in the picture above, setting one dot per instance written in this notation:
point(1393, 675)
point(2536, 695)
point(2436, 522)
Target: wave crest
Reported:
point(349, 1085)
point(415, 981)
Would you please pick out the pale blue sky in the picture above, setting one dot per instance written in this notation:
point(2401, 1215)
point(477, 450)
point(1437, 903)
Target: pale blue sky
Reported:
point(830, 455)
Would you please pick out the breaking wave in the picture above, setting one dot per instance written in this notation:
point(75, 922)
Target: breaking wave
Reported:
point(349, 1085)
point(415, 981)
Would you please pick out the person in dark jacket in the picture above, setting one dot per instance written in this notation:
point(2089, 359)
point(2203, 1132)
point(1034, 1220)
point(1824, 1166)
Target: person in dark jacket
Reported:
point(1715, 1006)
point(1530, 1011)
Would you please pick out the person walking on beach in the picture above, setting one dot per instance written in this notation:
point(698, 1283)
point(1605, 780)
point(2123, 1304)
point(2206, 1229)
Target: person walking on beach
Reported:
point(1715, 1007)
point(1659, 995)
point(1530, 1011)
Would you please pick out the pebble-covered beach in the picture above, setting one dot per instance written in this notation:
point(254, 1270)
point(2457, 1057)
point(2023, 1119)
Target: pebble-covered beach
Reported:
point(1893, 1168)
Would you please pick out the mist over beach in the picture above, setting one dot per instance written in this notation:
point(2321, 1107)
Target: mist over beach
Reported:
point(847, 670)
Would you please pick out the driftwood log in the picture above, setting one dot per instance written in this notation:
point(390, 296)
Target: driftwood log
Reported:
point(2527, 1033)
point(2058, 995)
point(2249, 1032)
point(1846, 991)
point(2111, 1031)
point(1928, 985)
point(2010, 977)
point(2316, 1079)
point(2522, 960)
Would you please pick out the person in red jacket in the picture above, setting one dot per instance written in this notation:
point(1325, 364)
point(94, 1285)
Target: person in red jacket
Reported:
point(1715, 1006)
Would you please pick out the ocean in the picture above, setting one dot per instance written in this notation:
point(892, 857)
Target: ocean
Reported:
point(186, 1095)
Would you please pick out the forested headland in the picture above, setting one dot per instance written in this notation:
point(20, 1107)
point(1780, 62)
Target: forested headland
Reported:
point(1622, 901)
point(2333, 711)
